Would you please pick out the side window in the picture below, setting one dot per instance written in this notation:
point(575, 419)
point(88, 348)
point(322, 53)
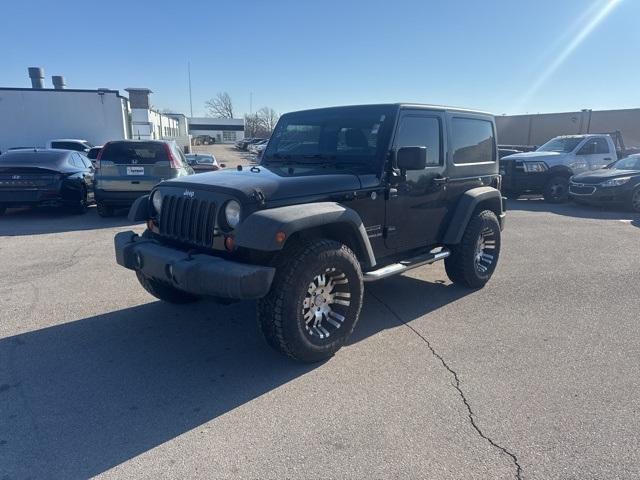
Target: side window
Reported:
point(76, 161)
point(601, 146)
point(473, 141)
point(418, 131)
point(85, 161)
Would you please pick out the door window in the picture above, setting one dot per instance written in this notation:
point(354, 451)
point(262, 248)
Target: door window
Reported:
point(473, 141)
point(595, 146)
point(418, 131)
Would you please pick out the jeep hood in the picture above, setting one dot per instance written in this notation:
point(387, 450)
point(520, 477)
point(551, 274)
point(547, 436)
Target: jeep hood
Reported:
point(274, 183)
point(543, 156)
point(597, 176)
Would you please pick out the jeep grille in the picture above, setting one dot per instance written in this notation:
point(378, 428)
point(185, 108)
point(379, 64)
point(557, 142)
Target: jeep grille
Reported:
point(188, 220)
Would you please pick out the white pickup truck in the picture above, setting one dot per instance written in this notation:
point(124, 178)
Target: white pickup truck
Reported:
point(547, 170)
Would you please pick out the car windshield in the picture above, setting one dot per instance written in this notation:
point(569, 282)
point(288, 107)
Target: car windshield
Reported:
point(346, 135)
point(629, 163)
point(560, 144)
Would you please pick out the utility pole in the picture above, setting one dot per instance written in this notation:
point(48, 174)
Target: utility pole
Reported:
point(190, 98)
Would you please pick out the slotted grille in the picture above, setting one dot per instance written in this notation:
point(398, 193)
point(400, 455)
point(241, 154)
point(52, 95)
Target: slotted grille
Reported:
point(188, 220)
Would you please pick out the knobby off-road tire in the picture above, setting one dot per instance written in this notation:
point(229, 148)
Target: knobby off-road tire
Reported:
point(474, 259)
point(164, 291)
point(314, 302)
point(556, 190)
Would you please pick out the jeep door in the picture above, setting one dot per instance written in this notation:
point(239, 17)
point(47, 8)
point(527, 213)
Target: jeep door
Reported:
point(596, 152)
point(416, 204)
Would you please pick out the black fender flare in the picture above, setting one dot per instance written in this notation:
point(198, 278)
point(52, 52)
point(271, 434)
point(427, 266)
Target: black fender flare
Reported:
point(139, 211)
point(258, 231)
point(465, 208)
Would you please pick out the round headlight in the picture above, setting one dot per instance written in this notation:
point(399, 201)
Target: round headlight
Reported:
point(156, 201)
point(232, 213)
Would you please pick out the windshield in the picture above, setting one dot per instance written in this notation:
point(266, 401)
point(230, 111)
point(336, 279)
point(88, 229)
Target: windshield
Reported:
point(346, 135)
point(629, 163)
point(560, 144)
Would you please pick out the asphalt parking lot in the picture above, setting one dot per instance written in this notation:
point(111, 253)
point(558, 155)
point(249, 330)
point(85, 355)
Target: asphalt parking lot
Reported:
point(535, 376)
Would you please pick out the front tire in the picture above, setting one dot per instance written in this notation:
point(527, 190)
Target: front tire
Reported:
point(104, 210)
point(314, 302)
point(556, 190)
point(473, 261)
point(164, 291)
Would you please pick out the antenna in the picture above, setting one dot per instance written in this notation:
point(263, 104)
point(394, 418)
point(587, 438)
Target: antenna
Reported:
point(190, 98)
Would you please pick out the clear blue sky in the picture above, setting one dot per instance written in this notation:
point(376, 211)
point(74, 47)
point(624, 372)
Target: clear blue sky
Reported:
point(494, 55)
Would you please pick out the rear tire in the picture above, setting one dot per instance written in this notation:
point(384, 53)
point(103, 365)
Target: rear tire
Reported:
point(314, 302)
point(82, 205)
point(164, 291)
point(556, 190)
point(473, 261)
point(635, 200)
point(104, 210)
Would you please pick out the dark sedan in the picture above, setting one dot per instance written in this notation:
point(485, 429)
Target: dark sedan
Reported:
point(47, 177)
point(616, 184)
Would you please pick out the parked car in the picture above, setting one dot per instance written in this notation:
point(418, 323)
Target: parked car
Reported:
point(128, 169)
point(45, 177)
point(244, 144)
point(203, 140)
point(70, 144)
point(343, 195)
point(202, 162)
point(253, 148)
point(617, 184)
point(92, 154)
point(548, 169)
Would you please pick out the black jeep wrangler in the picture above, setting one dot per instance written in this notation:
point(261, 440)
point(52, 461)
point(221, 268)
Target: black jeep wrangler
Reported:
point(342, 196)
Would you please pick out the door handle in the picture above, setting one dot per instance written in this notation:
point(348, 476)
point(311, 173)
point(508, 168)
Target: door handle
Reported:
point(440, 180)
point(608, 159)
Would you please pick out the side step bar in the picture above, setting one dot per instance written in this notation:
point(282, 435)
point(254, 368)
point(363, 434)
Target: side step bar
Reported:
point(406, 265)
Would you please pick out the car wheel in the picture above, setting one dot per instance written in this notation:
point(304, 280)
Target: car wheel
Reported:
point(82, 204)
point(474, 259)
point(104, 210)
point(165, 292)
point(635, 200)
point(314, 302)
point(556, 190)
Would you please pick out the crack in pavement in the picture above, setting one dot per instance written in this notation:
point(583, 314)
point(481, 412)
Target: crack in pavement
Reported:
point(457, 386)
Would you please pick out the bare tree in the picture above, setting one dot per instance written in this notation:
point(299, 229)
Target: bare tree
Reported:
point(267, 118)
point(221, 106)
point(261, 123)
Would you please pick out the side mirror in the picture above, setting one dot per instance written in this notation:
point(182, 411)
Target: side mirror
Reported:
point(411, 158)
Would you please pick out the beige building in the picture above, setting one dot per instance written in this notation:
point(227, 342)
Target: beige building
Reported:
point(537, 129)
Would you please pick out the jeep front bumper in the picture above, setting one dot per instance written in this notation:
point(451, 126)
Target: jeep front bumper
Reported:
point(198, 274)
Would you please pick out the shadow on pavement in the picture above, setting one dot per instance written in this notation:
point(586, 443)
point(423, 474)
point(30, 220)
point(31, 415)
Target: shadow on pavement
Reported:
point(35, 221)
point(572, 209)
point(79, 398)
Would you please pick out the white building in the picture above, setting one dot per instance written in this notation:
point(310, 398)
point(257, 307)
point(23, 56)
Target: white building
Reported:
point(205, 130)
point(29, 117)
